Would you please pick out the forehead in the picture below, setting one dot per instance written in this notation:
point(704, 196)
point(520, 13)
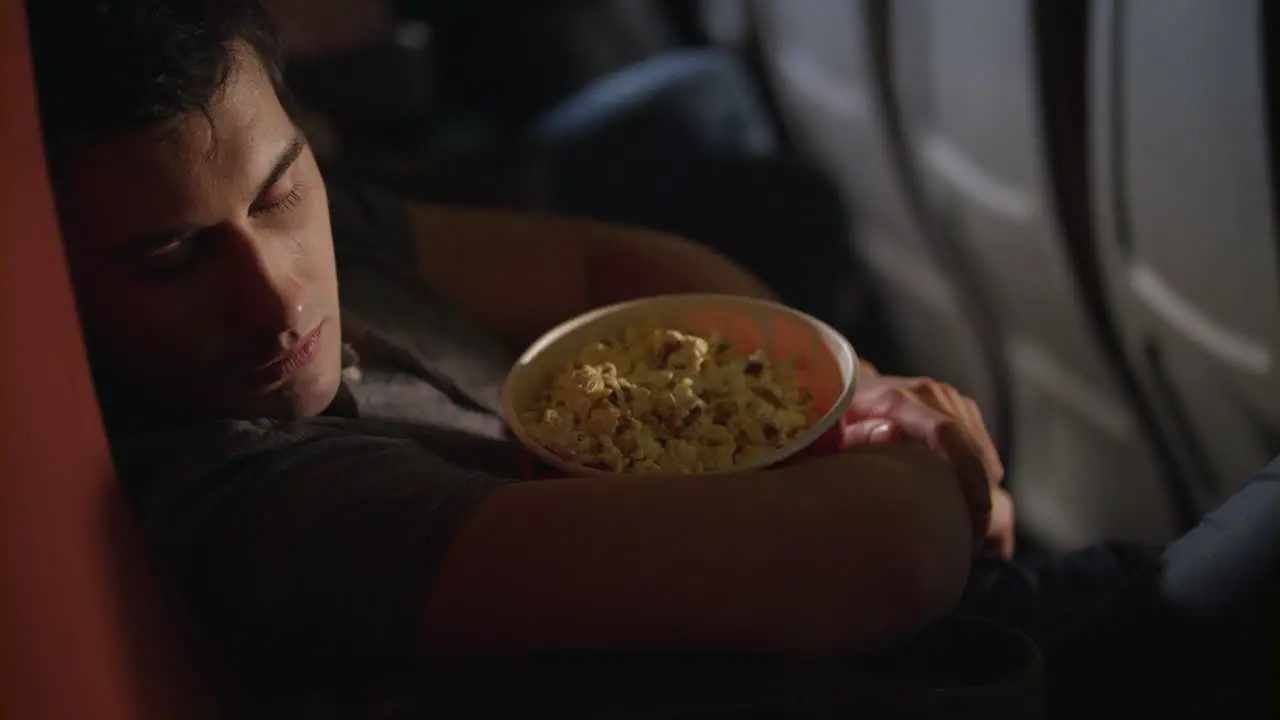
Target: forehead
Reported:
point(187, 172)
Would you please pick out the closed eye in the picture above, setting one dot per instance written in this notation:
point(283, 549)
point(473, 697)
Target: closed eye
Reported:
point(170, 258)
point(285, 203)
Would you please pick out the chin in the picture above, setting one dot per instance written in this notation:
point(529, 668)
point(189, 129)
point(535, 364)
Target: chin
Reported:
point(312, 391)
point(312, 398)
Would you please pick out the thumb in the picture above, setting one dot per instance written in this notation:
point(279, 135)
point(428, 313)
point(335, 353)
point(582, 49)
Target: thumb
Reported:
point(873, 431)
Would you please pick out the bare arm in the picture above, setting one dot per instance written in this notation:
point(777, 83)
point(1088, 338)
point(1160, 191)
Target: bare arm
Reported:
point(840, 554)
point(523, 273)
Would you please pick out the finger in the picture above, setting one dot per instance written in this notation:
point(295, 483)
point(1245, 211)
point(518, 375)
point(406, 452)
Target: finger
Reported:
point(919, 422)
point(875, 431)
point(917, 388)
point(969, 410)
point(867, 371)
point(891, 400)
point(1001, 534)
point(995, 468)
point(868, 387)
point(956, 446)
point(939, 396)
point(947, 399)
point(942, 435)
point(951, 401)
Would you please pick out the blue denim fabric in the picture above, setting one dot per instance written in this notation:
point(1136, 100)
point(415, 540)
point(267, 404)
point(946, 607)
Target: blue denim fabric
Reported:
point(1189, 627)
point(1224, 574)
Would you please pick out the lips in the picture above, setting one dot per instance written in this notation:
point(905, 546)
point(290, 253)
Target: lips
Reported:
point(289, 363)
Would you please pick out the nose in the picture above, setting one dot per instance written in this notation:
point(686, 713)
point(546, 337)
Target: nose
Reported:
point(267, 291)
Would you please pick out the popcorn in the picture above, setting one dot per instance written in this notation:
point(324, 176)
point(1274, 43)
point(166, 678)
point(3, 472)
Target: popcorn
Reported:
point(659, 401)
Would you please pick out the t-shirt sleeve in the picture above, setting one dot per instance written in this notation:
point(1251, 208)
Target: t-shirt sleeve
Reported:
point(303, 550)
point(370, 225)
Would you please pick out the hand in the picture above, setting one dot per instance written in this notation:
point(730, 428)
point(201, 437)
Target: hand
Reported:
point(892, 409)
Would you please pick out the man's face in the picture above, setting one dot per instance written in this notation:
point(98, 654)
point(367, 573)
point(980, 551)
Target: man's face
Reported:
point(203, 260)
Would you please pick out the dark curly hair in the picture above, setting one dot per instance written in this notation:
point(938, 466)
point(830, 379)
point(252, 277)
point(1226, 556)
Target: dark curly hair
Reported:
point(104, 66)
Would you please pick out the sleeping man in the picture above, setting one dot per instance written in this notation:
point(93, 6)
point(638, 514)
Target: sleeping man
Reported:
point(330, 484)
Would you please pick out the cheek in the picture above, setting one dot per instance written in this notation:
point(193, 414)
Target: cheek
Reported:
point(311, 247)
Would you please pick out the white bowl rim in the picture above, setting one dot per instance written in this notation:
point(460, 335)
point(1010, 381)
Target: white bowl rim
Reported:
point(842, 348)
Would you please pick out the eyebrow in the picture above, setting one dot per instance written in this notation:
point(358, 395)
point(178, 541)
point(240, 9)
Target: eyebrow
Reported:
point(292, 151)
point(287, 158)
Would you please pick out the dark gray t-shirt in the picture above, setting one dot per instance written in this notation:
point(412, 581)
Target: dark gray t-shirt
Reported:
point(308, 547)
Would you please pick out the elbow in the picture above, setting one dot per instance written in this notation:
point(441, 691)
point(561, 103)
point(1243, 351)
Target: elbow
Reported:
point(934, 557)
point(928, 585)
point(934, 547)
point(923, 585)
point(917, 579)
point(920, 589)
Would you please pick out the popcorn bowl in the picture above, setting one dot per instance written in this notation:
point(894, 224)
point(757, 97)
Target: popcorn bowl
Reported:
point(825, 363)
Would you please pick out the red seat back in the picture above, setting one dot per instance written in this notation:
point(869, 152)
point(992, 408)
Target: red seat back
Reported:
point(84, 633)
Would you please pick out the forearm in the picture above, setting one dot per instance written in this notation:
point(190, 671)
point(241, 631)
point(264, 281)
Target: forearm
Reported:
point(836, 555)
point(520, 274)
point(642, 265)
